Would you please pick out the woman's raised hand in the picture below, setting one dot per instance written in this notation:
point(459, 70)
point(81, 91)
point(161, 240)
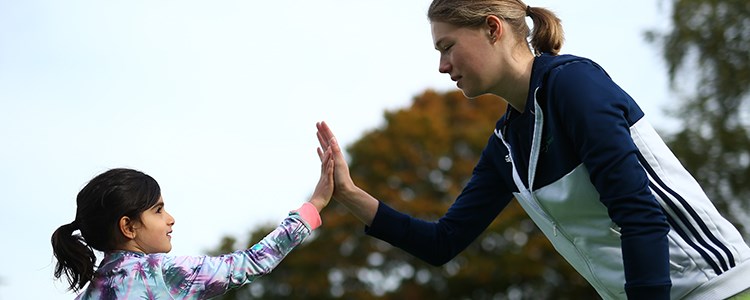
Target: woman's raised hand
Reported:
point(360, 203)
point(341, 177)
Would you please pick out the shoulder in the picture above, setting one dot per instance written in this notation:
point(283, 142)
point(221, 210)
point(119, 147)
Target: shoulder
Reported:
point(575, 71)
point(545, 63)
point(565, 73)
point(575, 78)
point(577, 88)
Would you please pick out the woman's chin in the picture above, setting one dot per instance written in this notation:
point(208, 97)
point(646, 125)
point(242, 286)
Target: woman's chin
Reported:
point(471, 94)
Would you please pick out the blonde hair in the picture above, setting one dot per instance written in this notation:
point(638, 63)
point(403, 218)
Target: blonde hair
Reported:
point(547, 36)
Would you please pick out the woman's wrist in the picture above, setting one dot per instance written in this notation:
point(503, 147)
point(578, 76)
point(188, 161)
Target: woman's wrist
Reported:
point(347, 193)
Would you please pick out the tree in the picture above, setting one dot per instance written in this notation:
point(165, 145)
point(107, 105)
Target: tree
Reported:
point(418, 162)
point(707, 52)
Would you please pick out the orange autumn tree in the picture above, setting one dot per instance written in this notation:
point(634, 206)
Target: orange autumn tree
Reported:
point(418, 161)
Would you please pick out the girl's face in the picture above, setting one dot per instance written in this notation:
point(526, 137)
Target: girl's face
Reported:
point(154, 229)
point(466, 54)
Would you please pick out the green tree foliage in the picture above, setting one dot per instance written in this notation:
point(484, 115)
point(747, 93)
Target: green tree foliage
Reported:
point(707, 51)
point(418, 162)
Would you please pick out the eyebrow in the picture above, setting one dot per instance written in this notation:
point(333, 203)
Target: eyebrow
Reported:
point(158, 205)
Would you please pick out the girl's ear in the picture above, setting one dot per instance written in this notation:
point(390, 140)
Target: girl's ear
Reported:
point(127, 227)
point(494, 27)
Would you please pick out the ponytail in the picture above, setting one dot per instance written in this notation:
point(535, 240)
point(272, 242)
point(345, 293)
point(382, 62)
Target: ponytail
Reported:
point(547, 35)
point(75, 259)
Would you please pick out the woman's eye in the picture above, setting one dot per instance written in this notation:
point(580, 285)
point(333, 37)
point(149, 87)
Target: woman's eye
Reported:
point(444, 49)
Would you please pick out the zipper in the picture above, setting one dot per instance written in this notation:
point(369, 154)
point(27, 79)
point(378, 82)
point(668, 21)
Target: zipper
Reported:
point(528, 197)
point(534, 159)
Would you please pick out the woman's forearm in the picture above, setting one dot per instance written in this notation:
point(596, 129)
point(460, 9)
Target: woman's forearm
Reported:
point(360, 203)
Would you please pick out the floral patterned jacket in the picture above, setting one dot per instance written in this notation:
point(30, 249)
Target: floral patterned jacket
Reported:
point(134, 275)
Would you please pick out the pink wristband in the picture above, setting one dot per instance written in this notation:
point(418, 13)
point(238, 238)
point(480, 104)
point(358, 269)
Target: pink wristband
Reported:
point(310, 214)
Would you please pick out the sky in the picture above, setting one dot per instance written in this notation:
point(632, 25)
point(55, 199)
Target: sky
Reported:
point(217, 100)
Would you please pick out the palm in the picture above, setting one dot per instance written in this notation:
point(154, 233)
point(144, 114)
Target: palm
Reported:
point(341, 178)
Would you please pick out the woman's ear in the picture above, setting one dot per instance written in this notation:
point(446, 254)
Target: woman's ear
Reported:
point(127, 227)
point(494, 27)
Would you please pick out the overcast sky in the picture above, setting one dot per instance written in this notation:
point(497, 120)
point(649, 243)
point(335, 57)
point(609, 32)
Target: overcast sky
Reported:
point(218, 101)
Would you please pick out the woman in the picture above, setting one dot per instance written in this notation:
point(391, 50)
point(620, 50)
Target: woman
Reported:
point(577, 153)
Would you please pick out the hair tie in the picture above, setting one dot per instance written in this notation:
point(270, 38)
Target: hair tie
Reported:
point(528, 10)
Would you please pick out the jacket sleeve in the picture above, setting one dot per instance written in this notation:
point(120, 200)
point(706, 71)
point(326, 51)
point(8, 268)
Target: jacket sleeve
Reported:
point(597, 115)
point(209, 276)
point(438, 242)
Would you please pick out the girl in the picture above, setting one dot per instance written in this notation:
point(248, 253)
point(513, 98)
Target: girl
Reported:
point(577, 153)
point(121, 213)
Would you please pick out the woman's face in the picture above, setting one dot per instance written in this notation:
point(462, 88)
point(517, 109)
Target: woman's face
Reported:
point(466, 54)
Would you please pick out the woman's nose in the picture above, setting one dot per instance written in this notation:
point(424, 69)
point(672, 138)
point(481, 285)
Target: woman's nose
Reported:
point(444, 66)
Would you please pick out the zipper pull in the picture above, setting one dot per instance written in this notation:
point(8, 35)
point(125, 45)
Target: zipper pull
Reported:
point(554, 229)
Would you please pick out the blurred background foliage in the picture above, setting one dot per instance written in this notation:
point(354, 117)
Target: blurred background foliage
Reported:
point(707, 53)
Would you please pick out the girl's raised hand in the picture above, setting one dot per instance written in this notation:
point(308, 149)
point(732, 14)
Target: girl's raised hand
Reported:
point(324, 189)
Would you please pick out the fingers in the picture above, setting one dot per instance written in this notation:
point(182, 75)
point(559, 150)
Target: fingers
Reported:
point(324, 144)
point(334, 144)
point(325, 157)
point(322, 140)
point(330, 168)
point(328, 160)
point(326, 139)
point(324, 133)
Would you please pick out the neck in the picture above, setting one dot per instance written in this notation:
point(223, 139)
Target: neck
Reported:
point(517, 100)
point(515, 89)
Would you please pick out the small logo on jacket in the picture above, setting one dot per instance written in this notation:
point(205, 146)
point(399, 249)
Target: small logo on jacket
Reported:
point(547, 143)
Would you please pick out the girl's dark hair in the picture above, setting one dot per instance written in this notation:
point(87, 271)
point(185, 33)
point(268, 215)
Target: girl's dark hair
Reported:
point(100, 205)
point(548, 33)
